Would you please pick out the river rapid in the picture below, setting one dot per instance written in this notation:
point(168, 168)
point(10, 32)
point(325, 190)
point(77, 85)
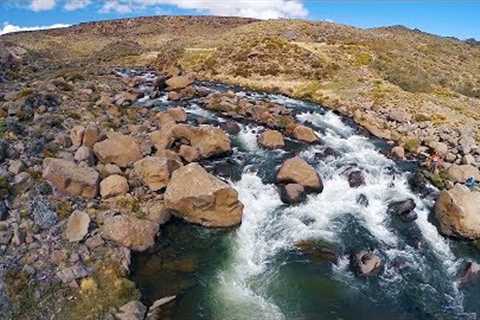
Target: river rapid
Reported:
point(257, 271)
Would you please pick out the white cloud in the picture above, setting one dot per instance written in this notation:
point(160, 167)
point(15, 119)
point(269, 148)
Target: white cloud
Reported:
point(42, 5)
point(9, 28)
point(116, 6)
point(263, 9)
point(73, 5)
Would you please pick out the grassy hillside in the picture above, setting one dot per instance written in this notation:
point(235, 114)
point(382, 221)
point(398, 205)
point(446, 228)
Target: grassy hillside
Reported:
point(431, 80)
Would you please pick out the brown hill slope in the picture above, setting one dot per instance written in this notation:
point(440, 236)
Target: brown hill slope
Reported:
point(399, 83)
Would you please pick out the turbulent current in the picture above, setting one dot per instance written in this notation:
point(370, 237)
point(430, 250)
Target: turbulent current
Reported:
point(257, 271)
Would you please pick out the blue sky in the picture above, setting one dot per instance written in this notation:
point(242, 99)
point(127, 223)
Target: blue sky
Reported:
point(460, 18)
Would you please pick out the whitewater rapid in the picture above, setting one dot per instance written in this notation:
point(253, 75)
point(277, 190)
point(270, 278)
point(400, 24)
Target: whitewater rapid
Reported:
point(269, 228)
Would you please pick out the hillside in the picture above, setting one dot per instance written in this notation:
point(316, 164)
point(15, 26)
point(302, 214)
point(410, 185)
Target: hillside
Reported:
point(394, 76)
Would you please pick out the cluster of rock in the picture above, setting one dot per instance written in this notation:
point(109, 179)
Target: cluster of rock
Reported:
point(269, 114)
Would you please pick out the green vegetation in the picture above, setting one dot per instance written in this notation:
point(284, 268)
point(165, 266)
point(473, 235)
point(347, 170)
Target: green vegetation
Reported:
point(412, 145)
point(106, 289)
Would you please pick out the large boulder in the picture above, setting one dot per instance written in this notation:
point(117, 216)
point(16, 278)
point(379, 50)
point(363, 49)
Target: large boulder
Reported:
point(67, 177)
point(131, 232)
point(179, 82)
point(209, 141)
point(460, 173)
point(458, 212)
point(118, 149)
point(155, 172)
point(198, 197)
point(271, 139)
point(297, 170)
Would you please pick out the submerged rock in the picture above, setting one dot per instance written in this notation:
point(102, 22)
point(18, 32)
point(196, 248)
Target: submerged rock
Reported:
point(297, 170)
point(198, 197)
point(366, 263)
point(292, 193)
point(356, 179)
point(470, 273)
point(318, 252)
point(363, 200)
point(404, 209)
point(458, 212)
point(231, 127)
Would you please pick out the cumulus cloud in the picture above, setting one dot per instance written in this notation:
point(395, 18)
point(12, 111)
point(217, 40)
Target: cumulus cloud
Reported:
point(116, 6)
point(263, 9)
point(9, 28)
point(42, 5)
point(72, 5)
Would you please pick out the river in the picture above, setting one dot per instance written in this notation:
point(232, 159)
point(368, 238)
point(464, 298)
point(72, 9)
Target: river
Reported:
point(257, 271)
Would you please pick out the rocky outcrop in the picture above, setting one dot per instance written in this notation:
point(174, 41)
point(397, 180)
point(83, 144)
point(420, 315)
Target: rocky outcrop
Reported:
point(297, 170)
point(133, 233)
point(113, 185)
point(77, 226)
point(118, 149)
point(198, 197)
point(458, 212)
point(155, 172)
point(271, 139)
point(69, 178)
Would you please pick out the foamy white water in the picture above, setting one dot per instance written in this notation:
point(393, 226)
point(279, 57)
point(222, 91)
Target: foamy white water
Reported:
point(267, 230)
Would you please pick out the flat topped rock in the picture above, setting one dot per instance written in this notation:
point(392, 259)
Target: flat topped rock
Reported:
point(199, 197)
point(271, 139)
point(118, 149)
point(131, 232)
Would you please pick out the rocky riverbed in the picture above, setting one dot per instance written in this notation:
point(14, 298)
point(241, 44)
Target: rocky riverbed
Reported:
point(128, 194)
